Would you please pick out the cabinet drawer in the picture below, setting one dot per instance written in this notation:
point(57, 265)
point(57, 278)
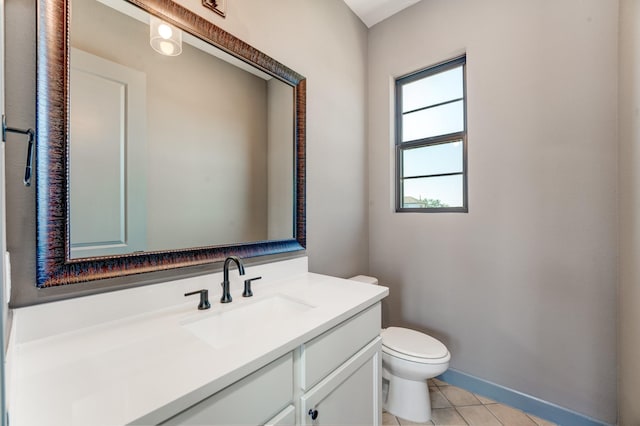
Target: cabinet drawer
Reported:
point(325, 353)
point(286, 417)
point(251, 401)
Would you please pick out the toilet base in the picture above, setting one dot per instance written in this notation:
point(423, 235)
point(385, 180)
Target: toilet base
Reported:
point(408, 399)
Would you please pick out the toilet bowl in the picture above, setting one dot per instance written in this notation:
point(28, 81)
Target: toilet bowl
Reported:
point(409, 358)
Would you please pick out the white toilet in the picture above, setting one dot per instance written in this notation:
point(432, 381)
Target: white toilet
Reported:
point(409, 358)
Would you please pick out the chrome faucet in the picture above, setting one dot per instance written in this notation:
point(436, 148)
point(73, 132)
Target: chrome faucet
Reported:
point(226, 297)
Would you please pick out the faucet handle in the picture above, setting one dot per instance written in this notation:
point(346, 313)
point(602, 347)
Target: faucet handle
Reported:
point(204, 298)
point(247, 287)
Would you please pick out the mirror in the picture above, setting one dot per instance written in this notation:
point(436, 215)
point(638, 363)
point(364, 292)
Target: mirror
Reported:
point(171, 152)
point(148, 162)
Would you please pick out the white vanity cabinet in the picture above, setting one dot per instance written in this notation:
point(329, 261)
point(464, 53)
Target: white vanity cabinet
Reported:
point(332, 379)
point(340, 373)
point(304, 342)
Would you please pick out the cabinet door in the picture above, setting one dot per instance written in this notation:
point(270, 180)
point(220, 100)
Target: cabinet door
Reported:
point(350, 395)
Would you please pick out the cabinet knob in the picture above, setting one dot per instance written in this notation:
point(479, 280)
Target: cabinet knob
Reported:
point(313, 414)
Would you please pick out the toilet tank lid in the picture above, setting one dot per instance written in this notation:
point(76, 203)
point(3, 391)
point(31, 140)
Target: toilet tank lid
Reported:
point(365, 279)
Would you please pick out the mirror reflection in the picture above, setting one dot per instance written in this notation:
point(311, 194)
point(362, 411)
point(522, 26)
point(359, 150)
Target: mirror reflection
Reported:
point(171, 152)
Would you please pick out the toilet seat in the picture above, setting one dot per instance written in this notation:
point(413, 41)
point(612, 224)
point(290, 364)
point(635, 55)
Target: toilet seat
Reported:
point(413, 346)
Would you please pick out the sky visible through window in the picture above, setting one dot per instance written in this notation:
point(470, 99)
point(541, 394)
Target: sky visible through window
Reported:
point(421, 119)
point(432, 90)
point(434, 159)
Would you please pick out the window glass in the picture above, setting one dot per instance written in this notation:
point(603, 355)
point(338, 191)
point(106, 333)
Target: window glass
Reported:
point(441, 120)
point(432, 159)
point(438, 88)
point(442, 191)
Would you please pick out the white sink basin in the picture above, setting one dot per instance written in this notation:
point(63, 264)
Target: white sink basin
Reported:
point(226, 328)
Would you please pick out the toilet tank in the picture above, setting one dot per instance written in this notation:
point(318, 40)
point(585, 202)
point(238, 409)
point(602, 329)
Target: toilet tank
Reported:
point(365, 279)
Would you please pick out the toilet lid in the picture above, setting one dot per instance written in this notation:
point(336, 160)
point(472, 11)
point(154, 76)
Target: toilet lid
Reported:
point(413, 343)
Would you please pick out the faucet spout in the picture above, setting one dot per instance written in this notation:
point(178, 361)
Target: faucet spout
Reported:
point(226, 295)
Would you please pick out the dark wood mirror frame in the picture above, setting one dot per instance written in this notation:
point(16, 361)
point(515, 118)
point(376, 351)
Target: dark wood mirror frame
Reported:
point(54, 265)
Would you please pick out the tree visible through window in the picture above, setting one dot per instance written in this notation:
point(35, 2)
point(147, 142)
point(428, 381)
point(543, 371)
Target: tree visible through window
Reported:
point(431, 139)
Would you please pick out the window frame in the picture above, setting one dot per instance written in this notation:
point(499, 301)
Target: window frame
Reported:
point(433, 140)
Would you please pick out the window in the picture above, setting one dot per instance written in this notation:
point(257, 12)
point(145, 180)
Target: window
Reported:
point(431, 139)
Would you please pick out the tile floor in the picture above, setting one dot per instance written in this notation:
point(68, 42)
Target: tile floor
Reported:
point(451, 405)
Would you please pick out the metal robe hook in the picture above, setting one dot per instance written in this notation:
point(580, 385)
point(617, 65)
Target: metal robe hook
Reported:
point(31, 135)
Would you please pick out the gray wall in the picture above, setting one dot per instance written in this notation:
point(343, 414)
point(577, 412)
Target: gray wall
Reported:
point(522, 289)
point(321, 40)
point(629, 208)
point(20, 109)
point(4, 311)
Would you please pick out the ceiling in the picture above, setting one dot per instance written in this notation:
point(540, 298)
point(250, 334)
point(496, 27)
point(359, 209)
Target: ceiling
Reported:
point(373, 11)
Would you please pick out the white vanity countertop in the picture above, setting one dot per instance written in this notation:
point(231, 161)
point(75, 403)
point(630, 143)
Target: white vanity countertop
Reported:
point(150, 367)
